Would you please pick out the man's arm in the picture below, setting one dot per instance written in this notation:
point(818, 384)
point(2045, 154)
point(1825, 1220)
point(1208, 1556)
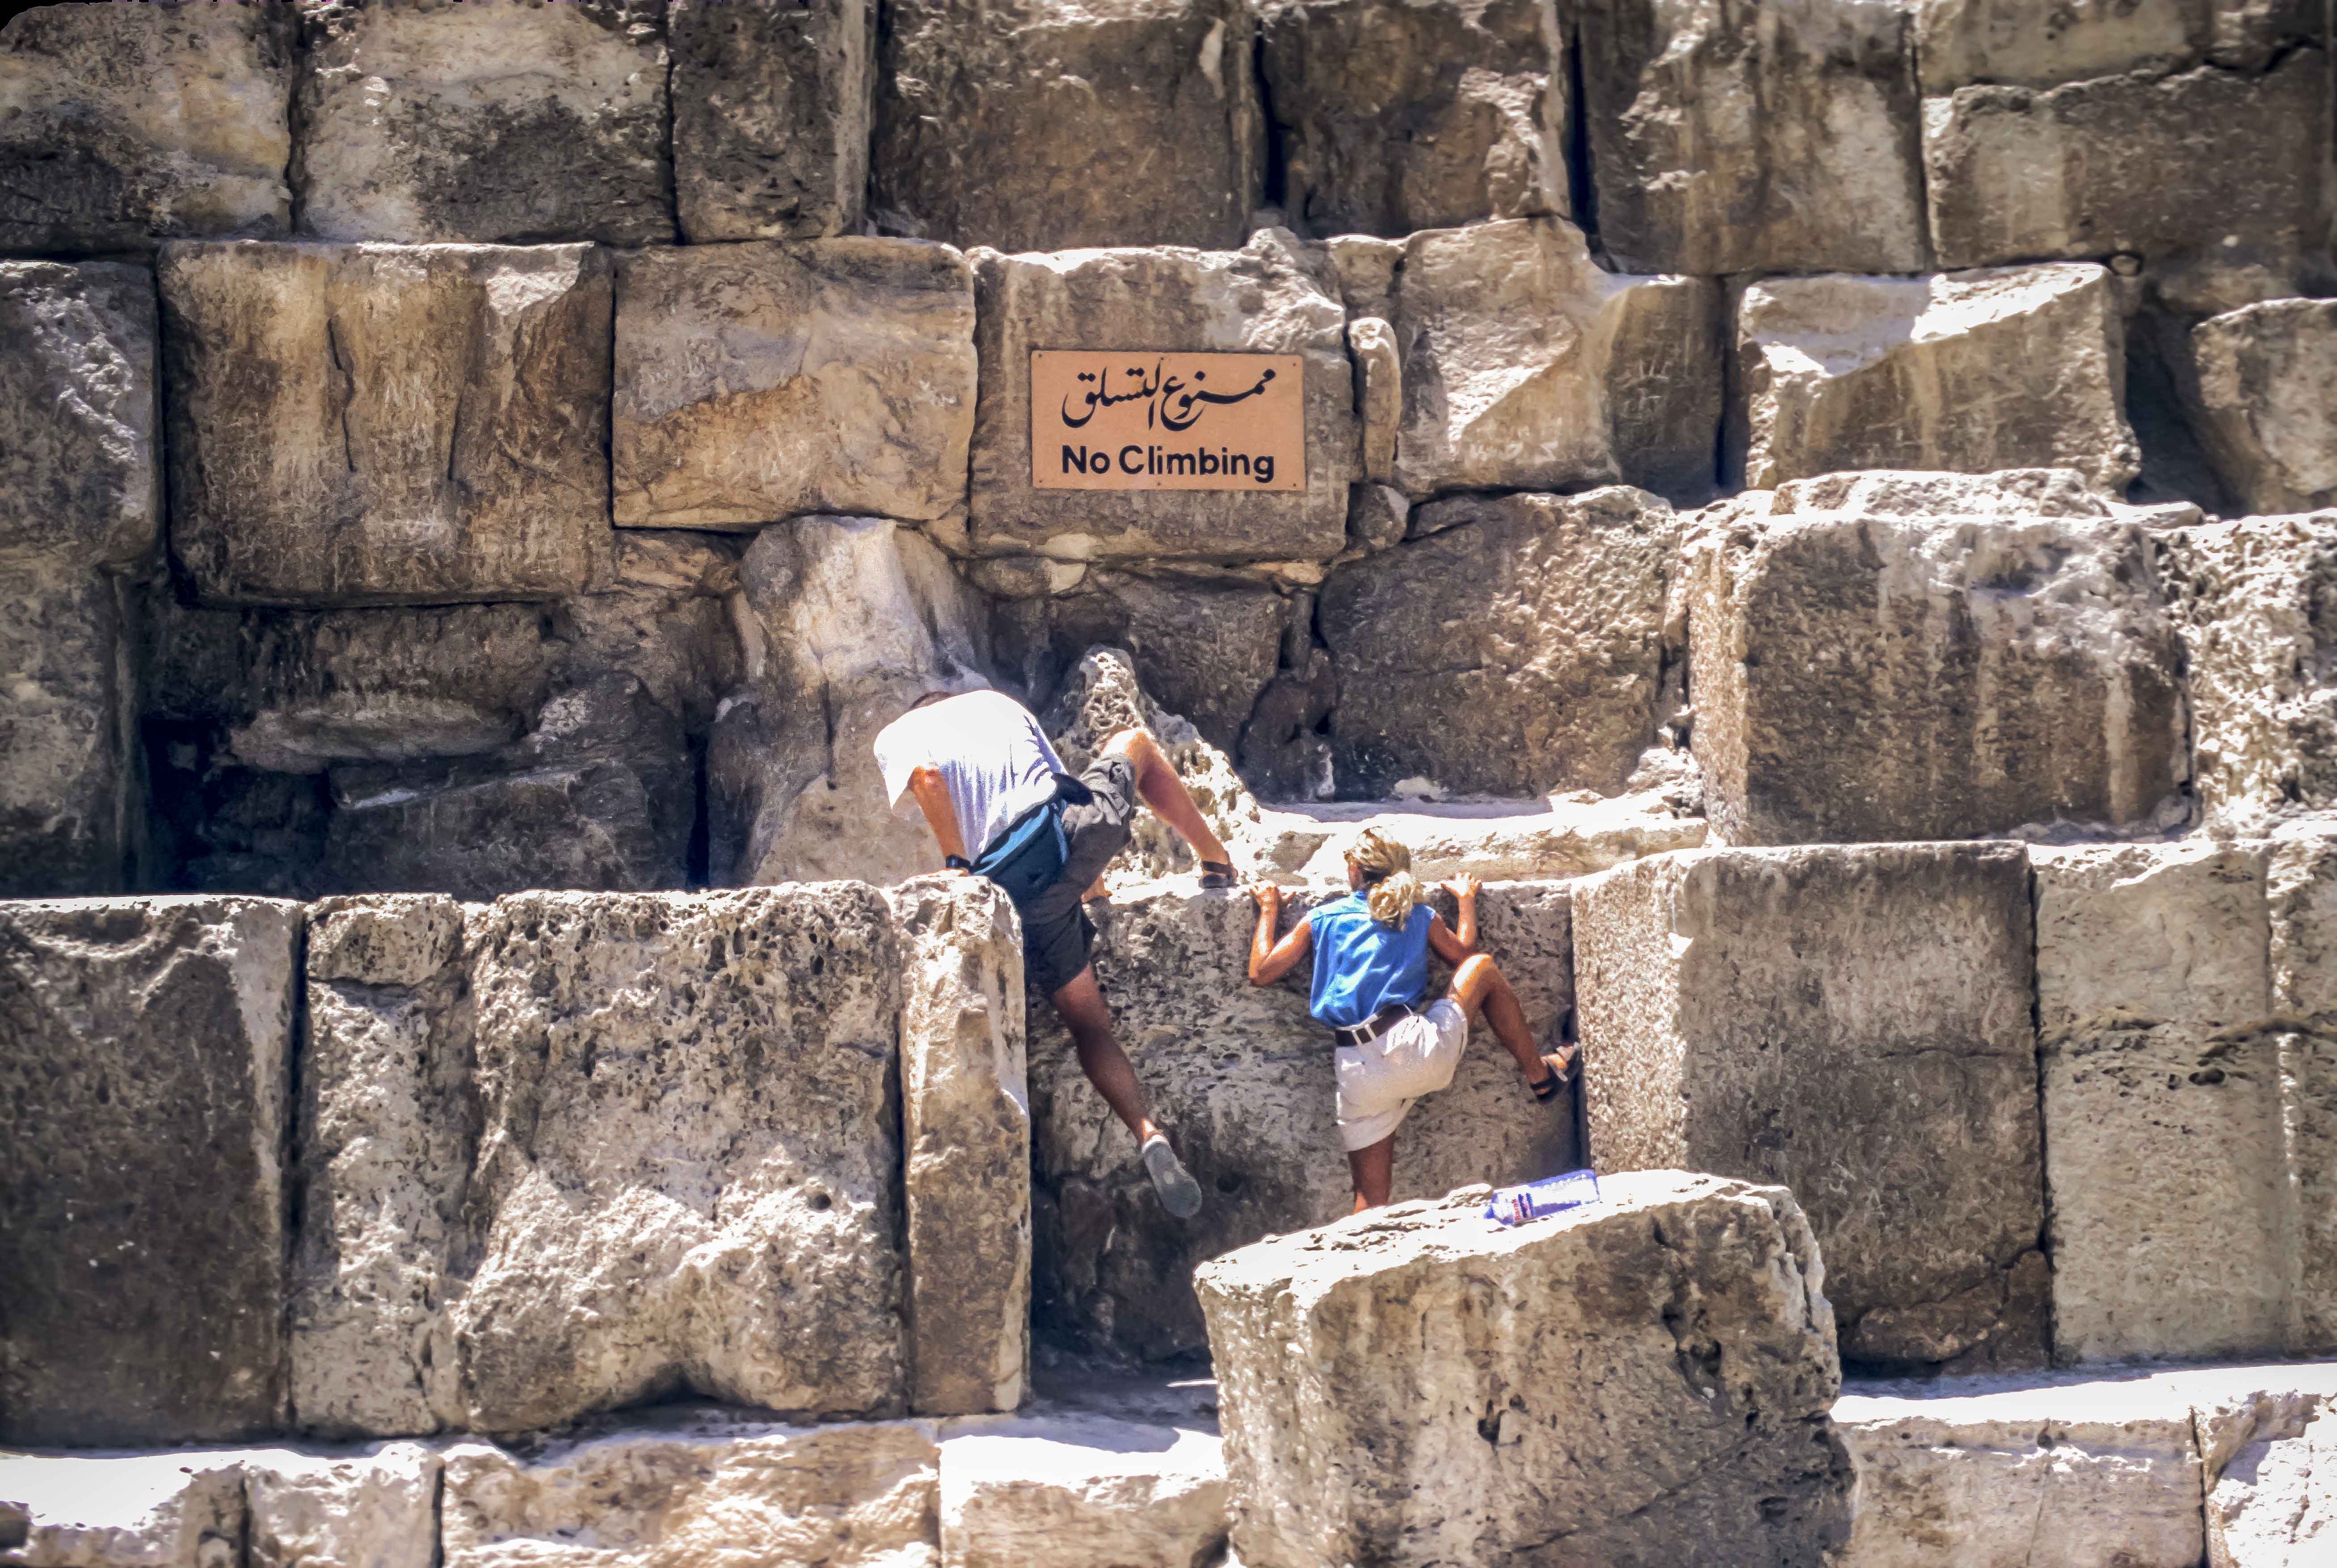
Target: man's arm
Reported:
point(932, 793)
point(1270, 961)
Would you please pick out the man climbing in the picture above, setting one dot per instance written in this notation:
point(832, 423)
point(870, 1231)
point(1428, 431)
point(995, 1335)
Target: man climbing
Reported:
point(1000, 807)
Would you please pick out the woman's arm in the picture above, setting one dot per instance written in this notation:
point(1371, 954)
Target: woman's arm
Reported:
point(1444, 944)
point(932, 793)
point(1463, 888)
point(1269, 960)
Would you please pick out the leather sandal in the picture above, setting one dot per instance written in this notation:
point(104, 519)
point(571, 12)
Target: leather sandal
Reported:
point(1564, 1064)
point(1216, 874)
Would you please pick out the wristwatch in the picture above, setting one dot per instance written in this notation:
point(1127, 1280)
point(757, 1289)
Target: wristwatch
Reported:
point(956, 864)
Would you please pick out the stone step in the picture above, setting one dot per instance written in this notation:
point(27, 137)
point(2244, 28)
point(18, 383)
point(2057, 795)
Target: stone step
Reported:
point(1560, 835)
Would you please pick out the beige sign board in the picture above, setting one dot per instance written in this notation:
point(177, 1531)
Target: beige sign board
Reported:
point(1145, 419)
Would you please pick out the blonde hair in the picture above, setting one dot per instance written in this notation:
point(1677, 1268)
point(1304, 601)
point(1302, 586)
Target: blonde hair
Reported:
point(1390, 889)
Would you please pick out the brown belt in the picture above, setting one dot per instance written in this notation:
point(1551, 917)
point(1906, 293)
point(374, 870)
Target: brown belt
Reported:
point(1373, 1028)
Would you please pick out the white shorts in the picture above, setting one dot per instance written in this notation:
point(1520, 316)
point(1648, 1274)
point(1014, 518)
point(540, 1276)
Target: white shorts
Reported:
point(1379, 1080)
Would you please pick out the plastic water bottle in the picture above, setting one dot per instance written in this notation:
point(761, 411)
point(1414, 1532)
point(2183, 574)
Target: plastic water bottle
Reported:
point(1539, 1199)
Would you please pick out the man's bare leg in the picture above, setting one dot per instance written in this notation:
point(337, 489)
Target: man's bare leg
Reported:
point(1480, 987)
point(1159, 787)
point(1374, 1170)
point(1081, 1005)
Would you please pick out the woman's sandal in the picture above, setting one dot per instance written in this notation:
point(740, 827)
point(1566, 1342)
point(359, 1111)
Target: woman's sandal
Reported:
point(1563, 1064)
point(1216, 874)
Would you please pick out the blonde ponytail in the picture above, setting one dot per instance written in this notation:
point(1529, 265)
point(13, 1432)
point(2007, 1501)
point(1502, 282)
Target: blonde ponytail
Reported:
point(1390, 889)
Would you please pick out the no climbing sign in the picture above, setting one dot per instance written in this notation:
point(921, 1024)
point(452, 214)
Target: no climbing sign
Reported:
point(1142, 419)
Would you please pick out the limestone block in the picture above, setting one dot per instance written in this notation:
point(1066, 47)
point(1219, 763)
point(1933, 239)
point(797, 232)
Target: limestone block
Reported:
point(1032, 126)
point(2009, 493)
point(79, 481)
point(71, 809)
point(145, 1055)
point(2140, 163)
point(1539, 616)
point(2270, 1455)
point(1527, 367)
point(1864, 678)
point(699, 1489)
point(1497, 841)
point(130, 123)
point(2015, 367)
point(1379, 382)
point(1075, 1491)
point(365, 424)
point(965, 1124)
point(1270, 297)
point(2301, 883)
point(2163, 1103)
point(856, 619)
point(772, 106)
point(1397, 118)
point(375, 1507)
point(1242, 1080)
point(1738, 137)
point(1960, 41)
point(162, 1510)
point(1979, 1473)
point(2266, 379)
point(2257, 600)
point(497, 124)
point(1853, 1022)
point(1459, 1356)
point(758, 382)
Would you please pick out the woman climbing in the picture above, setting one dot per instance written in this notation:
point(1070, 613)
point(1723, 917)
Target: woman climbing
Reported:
point(1370, 954)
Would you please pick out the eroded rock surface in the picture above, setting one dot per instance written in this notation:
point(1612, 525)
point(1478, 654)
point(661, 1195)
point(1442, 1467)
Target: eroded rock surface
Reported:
point(1457, 1354)
point(2301, 883)
point(2270, 1454)
point(2266, 378)
point(1853, 1022)
point(772, 105)
point(1071, 1490)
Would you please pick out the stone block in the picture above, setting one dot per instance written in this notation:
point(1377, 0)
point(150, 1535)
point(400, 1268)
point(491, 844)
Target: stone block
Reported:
point(71, 806)
point(2270, 1458)
point(2015, 367)
point(1397, 118)
point(1641, 1382)
point(2009, 42)
point(2265, 379)
point(2141, 164)
point(699, 1489)
point(1989, 1473)
point(772, 113)
point(1043, 127)
point(1526, 366)
point(2164, 1151)
point(965, 1125)
point(1271, 298)
point(1242, 1080)
point(1074, 1491)
point(2257, 600)
point(1540, 616)
point(1853, 1022)
point(145, 1062)
point(852, 619)
point(79, 479)
point(368, 425)
point(1874, 677)
point(2300, 883)
point(374, 1507)
point(156, 1510)
point(126, 124)
point(759, 381)
point(427, 121)
point(1735, 137)
point(632, 1145)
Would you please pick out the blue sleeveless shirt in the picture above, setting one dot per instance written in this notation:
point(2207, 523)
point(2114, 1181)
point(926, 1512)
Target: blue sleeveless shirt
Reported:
point(1362, 965)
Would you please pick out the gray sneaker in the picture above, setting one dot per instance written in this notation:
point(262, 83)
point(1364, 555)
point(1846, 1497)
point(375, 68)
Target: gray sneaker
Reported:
point(1180, 1193)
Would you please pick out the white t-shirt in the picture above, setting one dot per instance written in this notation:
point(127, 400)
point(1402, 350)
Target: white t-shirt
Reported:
point(989, 750)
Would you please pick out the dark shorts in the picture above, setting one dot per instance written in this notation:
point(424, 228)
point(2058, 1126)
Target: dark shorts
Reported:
point(1057, 935)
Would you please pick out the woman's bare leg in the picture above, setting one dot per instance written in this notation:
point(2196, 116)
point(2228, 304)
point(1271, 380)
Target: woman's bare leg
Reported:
point(1081, 1007)
point(1479, 986)
point(1159, 787)
point(1374, 1170)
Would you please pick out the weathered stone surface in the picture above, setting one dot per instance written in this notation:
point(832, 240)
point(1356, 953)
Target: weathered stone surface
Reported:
point(1736, 137)
point(965, 1125)
point(498, 124)
point(2301, 884)
point(1242, 1080)
point(685, 1176)
point(373, 1507)
point(1539, 617)
point(1379, 392)
point(1990, 1472)
point(79, 481)
point(123, 1511)
point(146, 1048)
point(1527, 367)
point(1271, 298)
point(70, 805)
point(699, 1489)
point(2017, 367)
point(772, 106)
point(1853, 1023)
point(2266, 380)
point(1457, 1354)
point(1862, 679)
point(2257, 603)
point(1074, 1491)
point(2270, 1455)
point(857, 619)
point(2009, 41)
point(129, 124)
point(1042, 127)
point(2165, 1159)
point(1422, 115)
point(1495, 841)
point(758, 382)
point(2143, 165)
point(2010, 492)
point(365, 424)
